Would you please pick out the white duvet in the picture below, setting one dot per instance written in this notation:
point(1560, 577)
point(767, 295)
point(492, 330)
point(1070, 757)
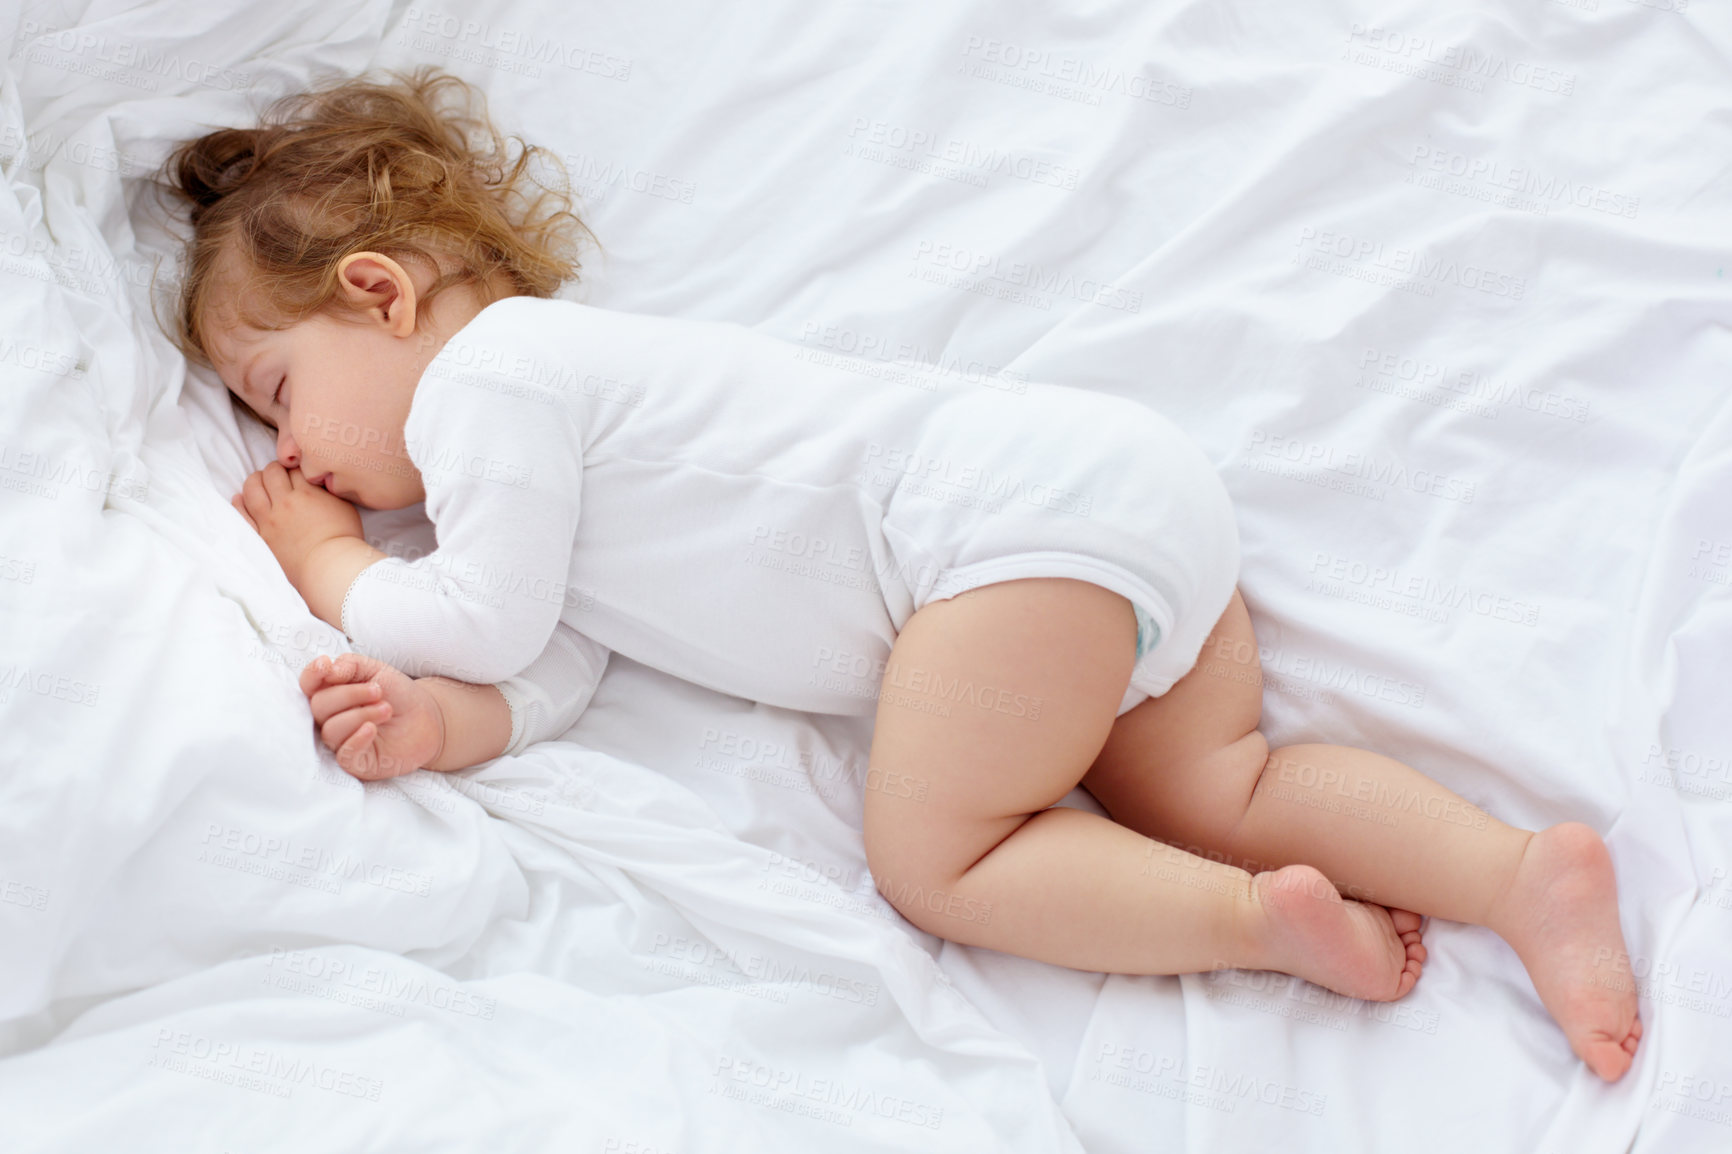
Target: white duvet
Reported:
point(1441, 293)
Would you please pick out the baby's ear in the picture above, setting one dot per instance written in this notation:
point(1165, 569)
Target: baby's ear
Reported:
point(381, 288)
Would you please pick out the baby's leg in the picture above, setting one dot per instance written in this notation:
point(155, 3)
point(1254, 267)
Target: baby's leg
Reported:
point(994, 704)
point(1190, 768)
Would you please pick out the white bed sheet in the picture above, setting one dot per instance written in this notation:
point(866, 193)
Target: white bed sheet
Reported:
point(1441, 293)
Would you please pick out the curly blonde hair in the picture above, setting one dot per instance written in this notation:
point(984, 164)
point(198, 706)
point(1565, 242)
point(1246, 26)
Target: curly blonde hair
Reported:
point(408, 168)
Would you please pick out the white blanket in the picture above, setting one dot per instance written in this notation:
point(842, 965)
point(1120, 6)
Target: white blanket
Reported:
point(1441, 294)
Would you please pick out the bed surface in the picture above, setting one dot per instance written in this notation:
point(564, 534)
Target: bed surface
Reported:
point(1442, 295)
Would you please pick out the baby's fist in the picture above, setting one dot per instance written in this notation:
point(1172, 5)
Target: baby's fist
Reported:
point(294, 516)
point(377, 720)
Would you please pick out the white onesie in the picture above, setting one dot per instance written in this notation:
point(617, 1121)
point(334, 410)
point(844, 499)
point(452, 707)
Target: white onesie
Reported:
point(722, 506)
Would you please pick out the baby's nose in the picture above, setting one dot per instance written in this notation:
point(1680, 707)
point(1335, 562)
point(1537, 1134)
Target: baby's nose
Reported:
point(288, 452)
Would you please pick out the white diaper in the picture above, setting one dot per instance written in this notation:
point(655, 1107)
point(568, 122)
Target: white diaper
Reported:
point(1065, 482)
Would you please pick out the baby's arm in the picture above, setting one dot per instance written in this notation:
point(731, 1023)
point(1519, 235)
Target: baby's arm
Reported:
point(502, 467)
point(546, 699)
point(315, 536)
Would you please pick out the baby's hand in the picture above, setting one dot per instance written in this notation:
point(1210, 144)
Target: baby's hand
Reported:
point(377, 721)
point(294, 516)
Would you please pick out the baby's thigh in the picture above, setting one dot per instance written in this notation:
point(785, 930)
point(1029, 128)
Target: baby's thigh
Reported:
point(1184, 765)
point(994, 704)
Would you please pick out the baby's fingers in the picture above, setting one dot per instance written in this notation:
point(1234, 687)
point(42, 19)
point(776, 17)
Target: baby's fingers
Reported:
point(357, 755)
point(361, 756)
point(340, 670)
point(314, 674)
point(337, 731)
point(332, 700)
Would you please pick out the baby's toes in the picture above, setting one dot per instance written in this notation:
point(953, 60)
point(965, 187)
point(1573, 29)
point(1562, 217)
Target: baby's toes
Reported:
point(1406, 921)
point(1410, 974)
point(1610, 1060)
point(1412, 962)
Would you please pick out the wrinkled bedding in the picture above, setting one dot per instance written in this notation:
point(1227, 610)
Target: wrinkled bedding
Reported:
point(1441, 293)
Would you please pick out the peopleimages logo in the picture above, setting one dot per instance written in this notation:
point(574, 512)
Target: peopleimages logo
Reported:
point(525, 45)
point(986, 268)
point(1461, 65)
point(941, 478)
point(1059, 74)
point(1317, 248)
point(1513, 185)
point(94, 54)
point(1300, 458)
point(903, 146)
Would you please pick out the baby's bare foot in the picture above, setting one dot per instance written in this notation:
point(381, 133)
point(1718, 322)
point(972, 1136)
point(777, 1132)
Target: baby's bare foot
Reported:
point(1353, 948)
point(1561, 915)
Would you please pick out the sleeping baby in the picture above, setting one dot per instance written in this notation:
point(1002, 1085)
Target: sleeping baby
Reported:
point(1026, 589)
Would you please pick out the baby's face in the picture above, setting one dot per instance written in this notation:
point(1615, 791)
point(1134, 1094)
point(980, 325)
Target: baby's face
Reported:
point(337, 392)
point(337, 389)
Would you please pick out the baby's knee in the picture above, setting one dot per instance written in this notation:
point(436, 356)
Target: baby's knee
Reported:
point(919, 874)
point(1248, 756)
point(1234, 771)
point(927, 897)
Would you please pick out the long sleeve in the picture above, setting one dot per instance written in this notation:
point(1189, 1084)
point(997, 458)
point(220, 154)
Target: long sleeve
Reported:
point(501, 460)
point(547, 698)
